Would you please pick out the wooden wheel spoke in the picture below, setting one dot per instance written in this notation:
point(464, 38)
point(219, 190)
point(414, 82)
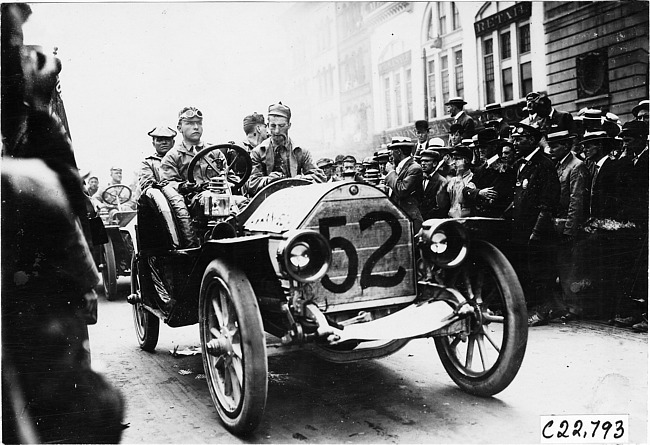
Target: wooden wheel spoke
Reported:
point(469, 356)
point(235, 386)
point(216, 308)
point(238, 368)
point(490, 339)
point(481, 350)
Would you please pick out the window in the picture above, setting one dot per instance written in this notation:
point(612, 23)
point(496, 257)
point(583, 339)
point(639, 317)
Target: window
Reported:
point(387, 101)
point(524, 39)
point(526, 74)
point(431, 83)
point(455, 17)
point(442, 18)
point(409, 97)
point(398, 97)
point(488, 66)
point(505, 46)
point(444, 78)
point(458, 71)
point(506, 77)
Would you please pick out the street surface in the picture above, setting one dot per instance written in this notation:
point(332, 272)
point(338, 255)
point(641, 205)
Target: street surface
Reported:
point(579, 368)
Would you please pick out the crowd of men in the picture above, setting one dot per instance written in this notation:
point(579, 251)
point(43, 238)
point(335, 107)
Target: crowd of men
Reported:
point(574, 191)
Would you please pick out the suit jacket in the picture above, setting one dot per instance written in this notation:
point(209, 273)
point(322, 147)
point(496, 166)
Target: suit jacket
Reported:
point(434, 202)
point(637, 189)
point(606, 191)
point(497, 175)
point(407, 189)
point(574, 180)
point(468, 125)
point(536, 198)
point(557, 121)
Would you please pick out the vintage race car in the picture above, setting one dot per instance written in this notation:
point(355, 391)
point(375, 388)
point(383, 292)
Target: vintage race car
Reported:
point(335, 267)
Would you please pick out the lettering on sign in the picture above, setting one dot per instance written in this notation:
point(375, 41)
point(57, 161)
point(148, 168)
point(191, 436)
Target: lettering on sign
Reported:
point(520, 11)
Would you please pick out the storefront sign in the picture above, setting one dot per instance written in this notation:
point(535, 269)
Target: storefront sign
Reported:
point(520, 11)
point(394, 63)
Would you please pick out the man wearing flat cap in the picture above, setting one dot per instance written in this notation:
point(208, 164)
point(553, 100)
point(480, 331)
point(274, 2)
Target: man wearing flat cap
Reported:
point(570, 217)
point(162, 139)
point(434, 202)
point(494, 119)
point(405, 182)
point(422, 133)
point(279, 156)
point(455, 108)
point(255, 130)
point(327, 165)
point(536, 198)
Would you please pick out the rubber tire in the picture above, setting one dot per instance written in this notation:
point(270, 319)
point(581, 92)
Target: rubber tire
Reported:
point(109, 271)
point(340, 355)
point(247, 412)
point(147, 325)
point(515, 336)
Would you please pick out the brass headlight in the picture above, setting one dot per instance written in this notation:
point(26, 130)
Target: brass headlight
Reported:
point(305, 255)
point(443, 242)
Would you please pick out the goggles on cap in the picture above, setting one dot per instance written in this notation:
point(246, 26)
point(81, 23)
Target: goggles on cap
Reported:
point(190, 113)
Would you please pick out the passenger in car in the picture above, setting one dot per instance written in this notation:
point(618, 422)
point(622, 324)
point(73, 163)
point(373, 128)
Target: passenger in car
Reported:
point(162, 139)
point(279, 156)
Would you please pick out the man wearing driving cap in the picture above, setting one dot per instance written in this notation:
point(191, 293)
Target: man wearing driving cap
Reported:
point(570, 217)
point(116, 179)
point(279, 157)
point(162, 139)
point(535, 202)
point(434, 202)
point(255, 130)
point(405, 182)
point(455, 108)
point(422, 133)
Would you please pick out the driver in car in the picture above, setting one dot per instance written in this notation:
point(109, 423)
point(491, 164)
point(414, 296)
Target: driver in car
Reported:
point(115, 195)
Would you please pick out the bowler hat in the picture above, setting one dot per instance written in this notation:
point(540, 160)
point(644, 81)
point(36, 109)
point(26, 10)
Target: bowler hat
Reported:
point(462, 151)
point(643, 105)
point(559, 136)
point(430, 154)
point(487, 135)
point(279, 110)
point(636, 129)
point(162, 131)
point(456, 101)
point(421, 125)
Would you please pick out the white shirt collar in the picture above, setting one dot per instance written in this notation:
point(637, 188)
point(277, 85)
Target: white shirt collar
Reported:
point(530, 156)
point(459, 114)
point(492, 160)
point(602, 161)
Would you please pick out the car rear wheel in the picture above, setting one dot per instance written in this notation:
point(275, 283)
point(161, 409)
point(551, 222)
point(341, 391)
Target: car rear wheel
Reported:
point(484, 362)
point(147, 325)
point(109, 271)
point(233, 347)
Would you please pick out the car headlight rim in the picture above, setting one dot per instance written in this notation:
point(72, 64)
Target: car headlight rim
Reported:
point(445, 243)
point(305, 255)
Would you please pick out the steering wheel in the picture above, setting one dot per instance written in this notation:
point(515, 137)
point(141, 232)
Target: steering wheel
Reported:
point(117, 194)
point(237, 160)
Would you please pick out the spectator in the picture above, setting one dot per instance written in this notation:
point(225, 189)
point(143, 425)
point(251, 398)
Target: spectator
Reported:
point(545, 117)
point(640, 112)
point(462, 158)
point(536, 197)
point(455, 134)
point(573, 176)
point(327, 166)
point(456, 111)
point(405, 182)
point(422, 133)
point(279, 157)
point(494, 119)
point(93, 185)
point(255, 130)
point(434, 203)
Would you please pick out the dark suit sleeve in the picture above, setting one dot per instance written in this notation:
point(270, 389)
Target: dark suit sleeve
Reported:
point(577, 193)
point(408, 184)
point(549, 198)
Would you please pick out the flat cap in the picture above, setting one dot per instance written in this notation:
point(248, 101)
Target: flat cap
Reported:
point(350, 158)
point(456, 101)
point(279, 110)
point(324, 162)
point(521, 129)
point(636, 129)
point(421, 125)
point(430, 154)
point(643, 105)
point(493, 107)
point(462, 151)
point(162, 131)
point(116, 169)
point(339, 158)
point(252, 120)
point(559, 136)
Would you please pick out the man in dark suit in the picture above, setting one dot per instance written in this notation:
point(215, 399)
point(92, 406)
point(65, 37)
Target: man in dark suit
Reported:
point(494, 119)
point(405, 182)
point(545, 116)
point(491, 188)
point(573, 176)
point(607, 186)
point(434, 204)
point(536, 197)
point(422, 133)
point(455, 109)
